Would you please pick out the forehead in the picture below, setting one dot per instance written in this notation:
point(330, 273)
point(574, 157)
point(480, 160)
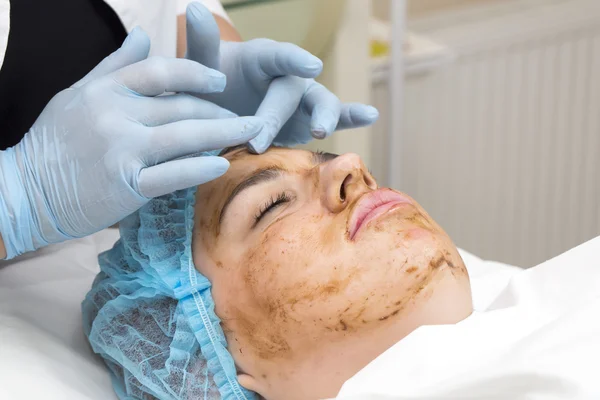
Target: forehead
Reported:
point(241, 159)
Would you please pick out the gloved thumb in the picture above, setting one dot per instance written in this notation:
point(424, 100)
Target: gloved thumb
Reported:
point(135, 48)
point(203, 36)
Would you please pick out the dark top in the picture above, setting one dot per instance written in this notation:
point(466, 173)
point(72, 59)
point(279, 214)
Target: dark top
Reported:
point(51, 45)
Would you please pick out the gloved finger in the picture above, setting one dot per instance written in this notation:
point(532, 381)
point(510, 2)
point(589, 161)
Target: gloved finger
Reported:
point(163, 110)
point(355, 115)
point(134, 49)
point(203, 36)
point(157, 75)
point(279, 59)
point(324, 108)
point(280, 103)
point(186, 137)
point(175, 175)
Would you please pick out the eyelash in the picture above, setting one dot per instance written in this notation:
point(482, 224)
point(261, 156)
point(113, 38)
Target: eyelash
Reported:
point(271, 205)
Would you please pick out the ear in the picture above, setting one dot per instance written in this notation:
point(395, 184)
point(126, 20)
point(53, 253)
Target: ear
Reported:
point(250, 383)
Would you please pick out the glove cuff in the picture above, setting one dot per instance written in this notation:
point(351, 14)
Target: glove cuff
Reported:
point(16, 215)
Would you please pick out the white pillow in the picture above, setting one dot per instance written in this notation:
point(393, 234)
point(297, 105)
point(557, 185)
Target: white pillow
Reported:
point(488, 278)
point(43, 352)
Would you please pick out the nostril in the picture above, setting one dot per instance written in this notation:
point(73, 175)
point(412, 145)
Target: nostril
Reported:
point(343, 187)
point(369, 181)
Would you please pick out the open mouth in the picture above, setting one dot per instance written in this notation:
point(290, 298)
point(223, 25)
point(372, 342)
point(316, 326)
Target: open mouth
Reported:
point(372, 205)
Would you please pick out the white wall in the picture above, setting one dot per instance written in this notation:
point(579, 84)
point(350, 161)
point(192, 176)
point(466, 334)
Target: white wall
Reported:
point(502, 146)
point(347, 73)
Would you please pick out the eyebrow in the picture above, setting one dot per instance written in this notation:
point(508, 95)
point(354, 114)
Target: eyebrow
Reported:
point(258, 177)
point(266, 175)
point(320, 157)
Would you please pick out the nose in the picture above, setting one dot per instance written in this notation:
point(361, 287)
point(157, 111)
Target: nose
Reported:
point(343, 180)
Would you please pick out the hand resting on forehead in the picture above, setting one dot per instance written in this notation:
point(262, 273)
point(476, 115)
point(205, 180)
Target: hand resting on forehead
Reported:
point(316, 271)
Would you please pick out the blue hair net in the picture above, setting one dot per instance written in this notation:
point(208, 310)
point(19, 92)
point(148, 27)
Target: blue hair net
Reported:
point(150, 314)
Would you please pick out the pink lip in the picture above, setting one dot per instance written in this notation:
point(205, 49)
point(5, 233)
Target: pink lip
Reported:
point(371, 206)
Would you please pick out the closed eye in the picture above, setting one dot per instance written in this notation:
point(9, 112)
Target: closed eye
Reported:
point(270, 205)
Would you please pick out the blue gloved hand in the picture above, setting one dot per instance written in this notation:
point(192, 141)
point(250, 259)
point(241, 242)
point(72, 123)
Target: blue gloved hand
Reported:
point(102, 148)
point(252, 66)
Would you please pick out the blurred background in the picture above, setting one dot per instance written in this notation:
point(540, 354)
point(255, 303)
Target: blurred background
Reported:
point(490, 117)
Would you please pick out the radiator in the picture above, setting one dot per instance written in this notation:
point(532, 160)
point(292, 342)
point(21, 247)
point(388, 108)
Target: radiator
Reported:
point(502, 146)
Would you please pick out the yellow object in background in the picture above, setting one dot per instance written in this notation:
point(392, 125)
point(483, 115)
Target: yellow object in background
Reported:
point(379, 48)
point(311, 24)
point(380, 38)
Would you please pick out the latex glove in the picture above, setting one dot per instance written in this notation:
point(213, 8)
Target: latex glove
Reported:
point(250, 68)
point(102, 148)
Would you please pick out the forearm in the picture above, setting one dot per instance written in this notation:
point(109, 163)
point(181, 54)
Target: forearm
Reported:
point(2, 249)
point(228, 33)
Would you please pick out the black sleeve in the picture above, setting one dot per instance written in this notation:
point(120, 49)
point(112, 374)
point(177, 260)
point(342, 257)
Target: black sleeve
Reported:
point(51, 45)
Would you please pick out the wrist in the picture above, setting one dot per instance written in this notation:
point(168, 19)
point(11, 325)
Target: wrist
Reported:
point(228, 32)
point(17, 226)
point(2, 248)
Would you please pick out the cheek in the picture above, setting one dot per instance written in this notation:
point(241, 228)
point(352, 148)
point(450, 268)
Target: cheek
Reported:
point(310, 280)
point(258, 311)
point(293, 275)
point(284, 257)
point(288, 249)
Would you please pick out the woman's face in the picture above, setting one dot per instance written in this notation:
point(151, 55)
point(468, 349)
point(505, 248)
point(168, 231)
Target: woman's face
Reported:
point(310, 260)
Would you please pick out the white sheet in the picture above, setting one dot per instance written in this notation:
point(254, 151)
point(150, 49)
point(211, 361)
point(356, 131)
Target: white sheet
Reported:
point(43, 353)
point(538, 338)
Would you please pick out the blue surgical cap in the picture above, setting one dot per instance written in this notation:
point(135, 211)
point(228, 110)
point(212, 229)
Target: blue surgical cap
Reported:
point(150, 314)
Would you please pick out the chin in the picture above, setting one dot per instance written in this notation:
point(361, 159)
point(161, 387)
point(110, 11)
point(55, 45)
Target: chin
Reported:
point(406, 238)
